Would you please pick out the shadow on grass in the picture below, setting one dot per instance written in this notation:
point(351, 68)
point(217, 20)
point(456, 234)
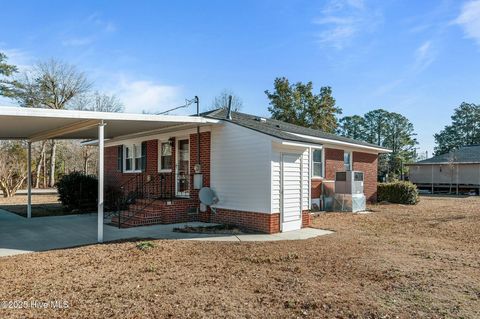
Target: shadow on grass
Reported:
point(446, 196)
point(39, 210)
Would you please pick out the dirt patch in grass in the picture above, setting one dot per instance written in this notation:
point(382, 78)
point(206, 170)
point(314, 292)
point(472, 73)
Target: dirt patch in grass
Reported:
point(398, 262)
point(215, 229)
point(42, 205)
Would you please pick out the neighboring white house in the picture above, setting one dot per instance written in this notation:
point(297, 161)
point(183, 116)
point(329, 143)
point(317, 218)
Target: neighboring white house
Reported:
point(453, 172)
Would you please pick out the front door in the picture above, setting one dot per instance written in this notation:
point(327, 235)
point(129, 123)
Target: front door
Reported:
point(183, 168)
point(291, 192)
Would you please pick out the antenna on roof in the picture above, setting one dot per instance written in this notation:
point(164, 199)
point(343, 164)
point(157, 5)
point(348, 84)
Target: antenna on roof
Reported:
point(229, 110)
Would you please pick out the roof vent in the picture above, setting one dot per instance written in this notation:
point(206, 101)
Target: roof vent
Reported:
point(261, 119)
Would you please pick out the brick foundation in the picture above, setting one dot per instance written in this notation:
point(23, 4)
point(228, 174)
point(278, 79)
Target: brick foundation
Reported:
point(306, 218)
point(261, 222)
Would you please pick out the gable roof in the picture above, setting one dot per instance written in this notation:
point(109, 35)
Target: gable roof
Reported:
point(465, 154)
point(287, 131)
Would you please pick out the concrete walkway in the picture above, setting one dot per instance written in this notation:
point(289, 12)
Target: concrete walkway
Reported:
point(20, 235)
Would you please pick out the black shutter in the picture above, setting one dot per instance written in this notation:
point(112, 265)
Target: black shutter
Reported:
point(120, 158)
point(144, 156)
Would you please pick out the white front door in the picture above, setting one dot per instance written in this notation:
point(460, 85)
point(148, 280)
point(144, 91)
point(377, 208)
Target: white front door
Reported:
point(291, 192)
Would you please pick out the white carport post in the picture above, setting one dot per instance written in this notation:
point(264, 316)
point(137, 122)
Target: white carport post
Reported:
point(29, 180)
point(101, 135)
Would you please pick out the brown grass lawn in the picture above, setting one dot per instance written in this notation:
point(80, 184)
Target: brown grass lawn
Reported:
point(399, 262)
point(42, 205)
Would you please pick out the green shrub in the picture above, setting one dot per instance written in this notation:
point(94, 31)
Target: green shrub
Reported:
point(78, 191)
point(398, 192)
point(145, 245)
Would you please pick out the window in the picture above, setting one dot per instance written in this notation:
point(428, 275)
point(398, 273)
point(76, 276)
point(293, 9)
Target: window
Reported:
point(317, 163)
point(165, 156)
point(347, 161)
point(134, 159)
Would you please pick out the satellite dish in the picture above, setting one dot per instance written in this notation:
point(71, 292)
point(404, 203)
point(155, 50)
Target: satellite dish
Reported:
point(207, 196)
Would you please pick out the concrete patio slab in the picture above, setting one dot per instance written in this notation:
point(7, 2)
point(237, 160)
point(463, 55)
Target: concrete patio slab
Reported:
point(20, 235)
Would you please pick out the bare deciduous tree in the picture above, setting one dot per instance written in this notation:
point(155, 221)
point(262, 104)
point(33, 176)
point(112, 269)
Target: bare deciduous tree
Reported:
point(13, 168)
point(221, 101)
point(39, 162)
point(99, 102)
point(52, 84)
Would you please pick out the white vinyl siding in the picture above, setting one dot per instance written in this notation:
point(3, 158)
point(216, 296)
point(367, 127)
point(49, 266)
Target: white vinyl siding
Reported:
point(291, 211)
point(277, 150)
point(240, 168)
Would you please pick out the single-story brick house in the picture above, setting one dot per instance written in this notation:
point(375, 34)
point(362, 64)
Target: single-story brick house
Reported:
point(267, 174)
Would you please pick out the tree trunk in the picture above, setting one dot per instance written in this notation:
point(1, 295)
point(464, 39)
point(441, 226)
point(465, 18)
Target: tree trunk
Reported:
point(44, 182)
point(51, 179)
point(41, 156)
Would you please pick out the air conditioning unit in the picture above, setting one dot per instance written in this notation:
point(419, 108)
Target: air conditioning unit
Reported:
point(349, 195)
point(349, 182)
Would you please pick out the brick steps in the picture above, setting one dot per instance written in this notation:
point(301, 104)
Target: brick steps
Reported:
point(147, 212)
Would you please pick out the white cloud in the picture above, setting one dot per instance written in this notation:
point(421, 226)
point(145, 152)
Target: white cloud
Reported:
point(77, 42)
point(104, 25)
point(22, 59)
point(149, 96)
point(469, 19)
point(424, 56)
point(88, 31)
point(342, 20)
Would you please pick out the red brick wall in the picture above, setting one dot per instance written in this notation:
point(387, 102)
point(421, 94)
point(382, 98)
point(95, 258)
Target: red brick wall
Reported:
point(205, 140)
point(368, 164)
point(261, 222)
point(316, 188)
point(114, 177)
point(364, 162)
point(306, 218)
point(333, 162)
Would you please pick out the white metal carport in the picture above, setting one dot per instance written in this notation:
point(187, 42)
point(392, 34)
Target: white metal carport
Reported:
point(35, 125)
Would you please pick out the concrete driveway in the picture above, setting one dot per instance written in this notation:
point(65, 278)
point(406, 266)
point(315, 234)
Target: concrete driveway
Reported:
point(20, 235)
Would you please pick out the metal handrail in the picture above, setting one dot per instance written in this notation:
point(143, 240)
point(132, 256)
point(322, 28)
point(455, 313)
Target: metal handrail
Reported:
point(140, 186)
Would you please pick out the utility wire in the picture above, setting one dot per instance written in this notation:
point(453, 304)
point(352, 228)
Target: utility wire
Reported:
point(187, 104)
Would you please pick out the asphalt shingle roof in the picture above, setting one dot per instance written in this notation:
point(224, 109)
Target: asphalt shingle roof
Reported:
point(465, 154)
point(281, 129)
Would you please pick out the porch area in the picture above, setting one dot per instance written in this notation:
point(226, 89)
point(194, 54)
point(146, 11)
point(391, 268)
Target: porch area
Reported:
point(19, 235)
point(34, 125)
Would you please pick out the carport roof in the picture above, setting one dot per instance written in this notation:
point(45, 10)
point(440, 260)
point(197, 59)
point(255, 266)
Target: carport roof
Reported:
point(38, 124)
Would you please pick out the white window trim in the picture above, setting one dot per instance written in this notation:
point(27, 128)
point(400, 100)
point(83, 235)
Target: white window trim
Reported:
point(131, 146)
point(160, 169)
point(312, 162)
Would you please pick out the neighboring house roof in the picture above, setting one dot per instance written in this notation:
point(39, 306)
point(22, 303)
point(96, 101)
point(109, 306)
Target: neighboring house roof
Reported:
point(287, 131)
point(465, 155)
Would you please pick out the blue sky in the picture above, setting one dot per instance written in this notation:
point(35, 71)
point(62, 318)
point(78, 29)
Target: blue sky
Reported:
point(418, 58)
